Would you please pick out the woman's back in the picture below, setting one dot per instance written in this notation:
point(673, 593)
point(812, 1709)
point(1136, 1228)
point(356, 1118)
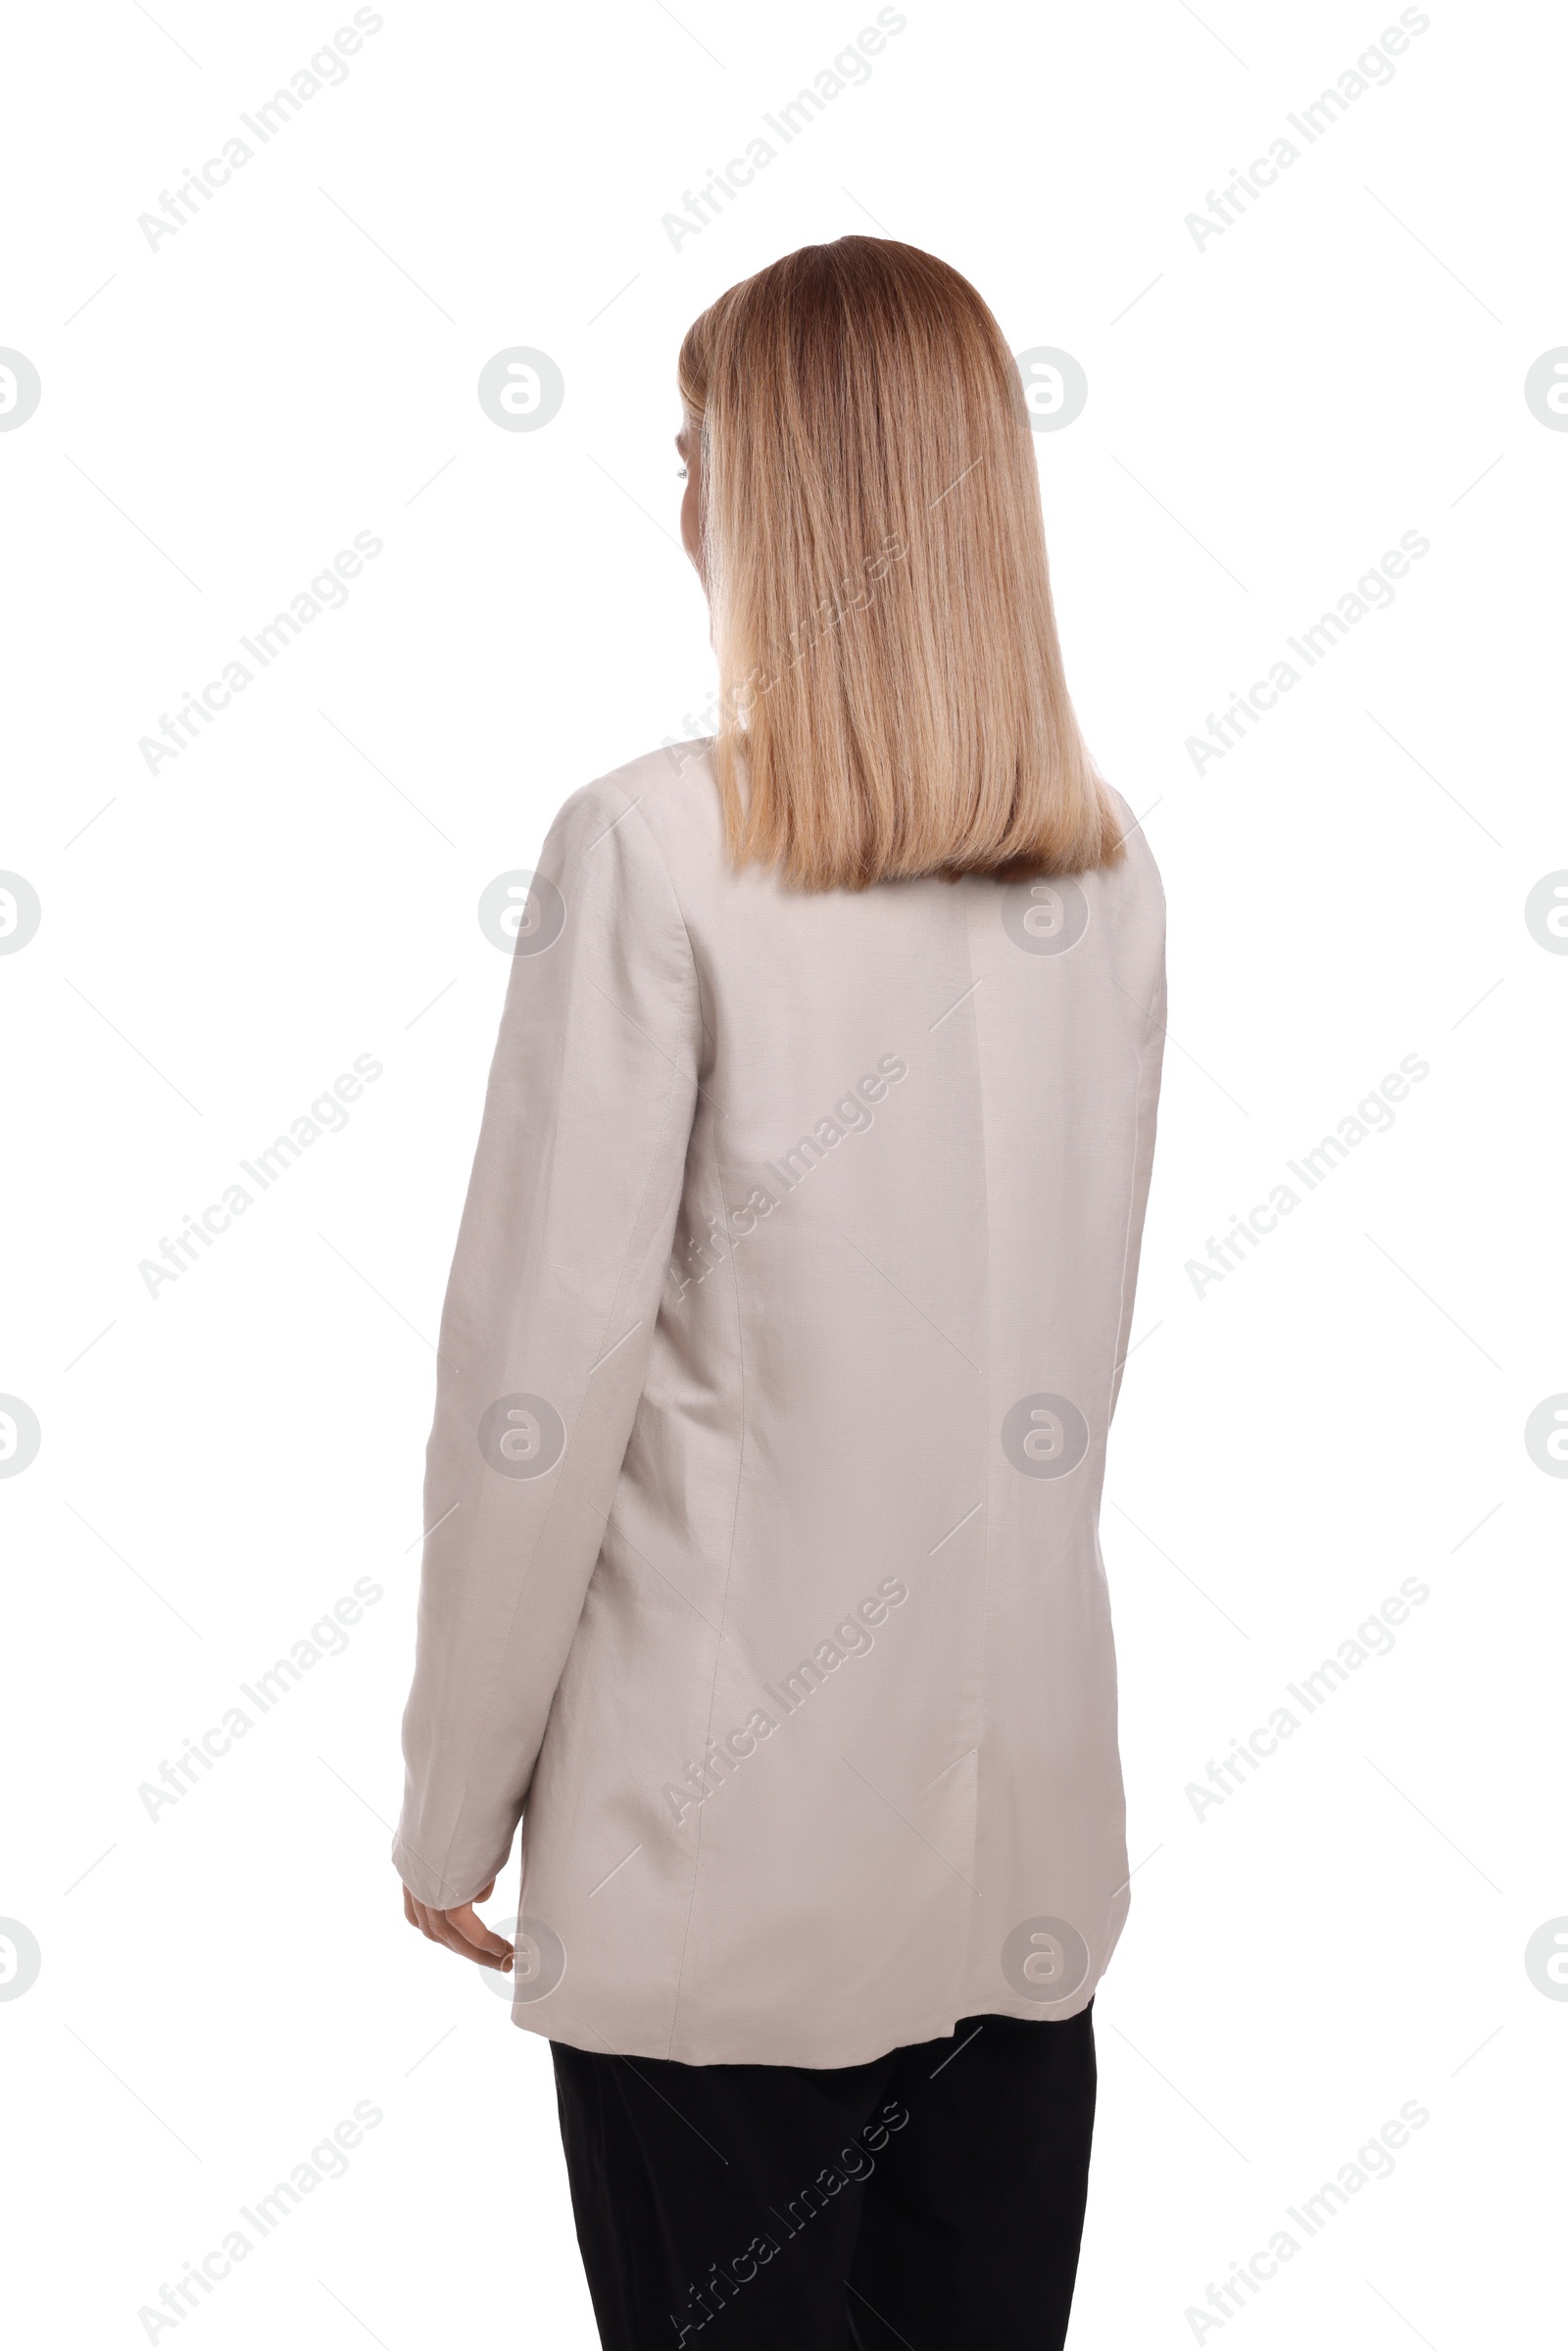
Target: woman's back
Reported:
point(782, 1341)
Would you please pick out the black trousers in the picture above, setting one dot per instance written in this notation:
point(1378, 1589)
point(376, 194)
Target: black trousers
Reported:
point(933, 2198)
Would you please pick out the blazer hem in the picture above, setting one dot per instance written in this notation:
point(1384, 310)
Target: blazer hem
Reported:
point(780, 2047)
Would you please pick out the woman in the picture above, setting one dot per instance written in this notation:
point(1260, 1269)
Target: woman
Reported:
point(785, 1327)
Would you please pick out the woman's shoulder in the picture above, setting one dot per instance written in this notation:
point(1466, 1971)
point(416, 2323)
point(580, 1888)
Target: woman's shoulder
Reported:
point(666, 798)
point(639, 844)
point(1137, 871)
point(674, 782)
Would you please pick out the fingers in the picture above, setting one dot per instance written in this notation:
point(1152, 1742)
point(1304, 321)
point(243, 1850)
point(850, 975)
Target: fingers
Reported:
point(418, 1916)
point(478, 1938)
point(462, 1931)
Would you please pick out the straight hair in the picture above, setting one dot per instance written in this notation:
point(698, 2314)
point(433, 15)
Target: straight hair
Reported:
point(891, 688)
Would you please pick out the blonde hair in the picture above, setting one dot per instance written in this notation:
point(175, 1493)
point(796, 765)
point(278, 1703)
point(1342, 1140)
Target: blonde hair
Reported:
point(891, 684)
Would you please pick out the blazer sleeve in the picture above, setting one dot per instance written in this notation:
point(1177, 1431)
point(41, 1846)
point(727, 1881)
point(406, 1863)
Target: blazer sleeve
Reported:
point(1150, 1061)
point(550, 1308)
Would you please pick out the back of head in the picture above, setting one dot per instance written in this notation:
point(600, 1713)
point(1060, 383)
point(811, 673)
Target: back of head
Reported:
point(874, 555)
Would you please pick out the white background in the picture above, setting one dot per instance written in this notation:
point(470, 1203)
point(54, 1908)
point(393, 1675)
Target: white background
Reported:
point(1266, 415)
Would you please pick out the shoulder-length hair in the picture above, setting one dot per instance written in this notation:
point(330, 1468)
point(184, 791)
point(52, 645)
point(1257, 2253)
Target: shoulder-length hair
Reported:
point(891, 684)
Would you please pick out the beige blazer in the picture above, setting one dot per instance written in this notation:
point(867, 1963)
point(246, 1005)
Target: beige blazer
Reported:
point(762, 1580)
